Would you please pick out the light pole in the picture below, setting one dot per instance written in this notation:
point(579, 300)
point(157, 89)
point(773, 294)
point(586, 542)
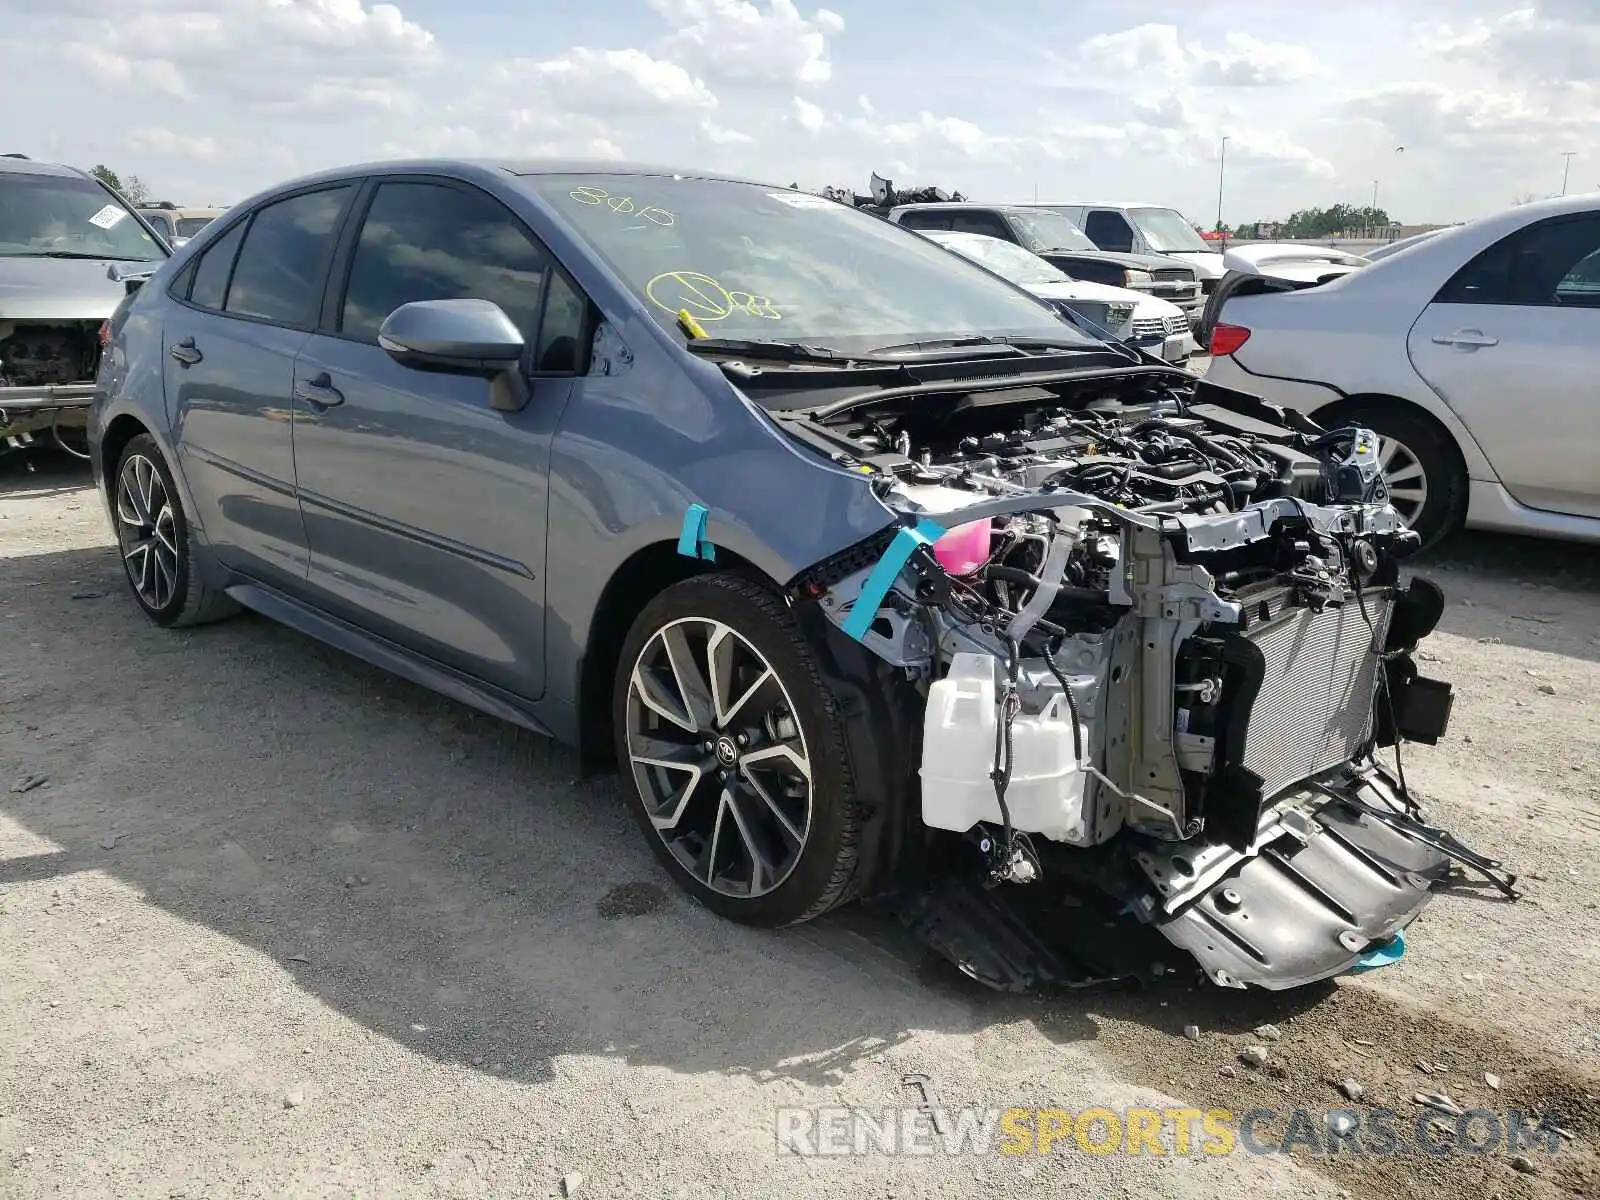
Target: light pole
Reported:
point(1566, 170)
point(1222, 166)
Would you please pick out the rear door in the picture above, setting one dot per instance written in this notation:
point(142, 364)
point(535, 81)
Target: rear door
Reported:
point(245, 309)
point(1512, 345)
point(424, 507)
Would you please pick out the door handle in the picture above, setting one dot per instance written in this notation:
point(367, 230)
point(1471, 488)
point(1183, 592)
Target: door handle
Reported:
point(186, 352)
point(1465, 337)
point(319, 393)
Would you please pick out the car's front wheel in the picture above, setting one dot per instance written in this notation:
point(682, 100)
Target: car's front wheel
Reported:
point(154, 537)
point(732, 753)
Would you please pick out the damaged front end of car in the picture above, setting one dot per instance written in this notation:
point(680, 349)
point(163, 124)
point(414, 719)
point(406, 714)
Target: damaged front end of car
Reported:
point(1160, 636)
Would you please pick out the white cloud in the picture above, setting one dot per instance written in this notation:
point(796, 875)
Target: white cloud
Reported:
point(808, 116)
point(723, 137)
point(1485, 94)
point(738, 41)
point(1159, 50)
point(329, 57)
point(609, 81)
point(953, 133)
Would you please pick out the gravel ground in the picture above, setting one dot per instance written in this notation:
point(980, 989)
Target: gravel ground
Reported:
point(277, 924)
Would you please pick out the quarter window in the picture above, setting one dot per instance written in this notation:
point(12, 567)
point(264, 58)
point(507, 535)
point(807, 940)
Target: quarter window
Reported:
point(215, 266)
point(279, 273)
point(424, 241)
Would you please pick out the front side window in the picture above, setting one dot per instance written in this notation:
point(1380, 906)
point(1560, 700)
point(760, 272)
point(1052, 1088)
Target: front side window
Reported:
point(1556, 262)
point(1166, 232)
point(278, 276)
point(763, 263)
point(1042, 231)
point(68, 216)
point(426, 241)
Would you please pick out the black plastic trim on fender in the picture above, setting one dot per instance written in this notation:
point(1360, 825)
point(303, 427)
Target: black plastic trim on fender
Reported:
point(883, 736)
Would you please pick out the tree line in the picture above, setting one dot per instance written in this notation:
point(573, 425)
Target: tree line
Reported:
point(1339, 220)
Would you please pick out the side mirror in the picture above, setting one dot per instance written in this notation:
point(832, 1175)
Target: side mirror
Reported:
point(131, 275)
point(467, 337)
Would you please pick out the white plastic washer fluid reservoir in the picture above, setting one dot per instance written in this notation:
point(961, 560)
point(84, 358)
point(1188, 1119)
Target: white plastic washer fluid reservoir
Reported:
point(1045, 795)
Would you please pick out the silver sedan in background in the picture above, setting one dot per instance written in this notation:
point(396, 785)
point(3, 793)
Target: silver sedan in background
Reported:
point(1472, 354)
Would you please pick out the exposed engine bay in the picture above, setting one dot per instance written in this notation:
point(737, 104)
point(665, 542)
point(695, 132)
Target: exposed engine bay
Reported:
point(1161, 635)
point(35, 353)
point(36, 359)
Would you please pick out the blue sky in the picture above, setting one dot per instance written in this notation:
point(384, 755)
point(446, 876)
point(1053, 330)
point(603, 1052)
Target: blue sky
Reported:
point(207, 100)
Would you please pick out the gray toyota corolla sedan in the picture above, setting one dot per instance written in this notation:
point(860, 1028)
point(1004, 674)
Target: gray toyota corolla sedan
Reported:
point(875, 576)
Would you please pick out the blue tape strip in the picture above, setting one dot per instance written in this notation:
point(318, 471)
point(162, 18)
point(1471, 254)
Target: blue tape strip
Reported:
point(692, 542)
point(883, 575)
point(1385, 955)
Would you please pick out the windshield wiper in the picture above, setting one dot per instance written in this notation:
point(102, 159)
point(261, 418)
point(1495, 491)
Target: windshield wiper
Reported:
point(73, 254)
point(752, 348)
point(961, 347)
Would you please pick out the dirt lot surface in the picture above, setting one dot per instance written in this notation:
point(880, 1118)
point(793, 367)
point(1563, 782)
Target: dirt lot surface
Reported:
point(277, 924)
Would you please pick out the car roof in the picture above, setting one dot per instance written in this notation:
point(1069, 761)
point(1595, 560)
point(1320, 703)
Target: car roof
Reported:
point(180, 210)
point(29, 166)
point(965, 206)
point(520, 168)
point(1103, 204)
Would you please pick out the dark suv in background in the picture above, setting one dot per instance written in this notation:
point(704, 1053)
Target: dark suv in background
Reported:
point(1062, 244)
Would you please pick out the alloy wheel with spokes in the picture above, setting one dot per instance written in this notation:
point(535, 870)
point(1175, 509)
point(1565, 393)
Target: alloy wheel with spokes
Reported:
point(147, 533)
point(1405, 478)
point(719, 757)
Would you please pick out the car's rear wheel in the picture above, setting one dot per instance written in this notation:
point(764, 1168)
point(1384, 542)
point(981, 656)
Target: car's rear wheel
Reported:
point(732, 753)
point(1422, 468)
point(154, 538)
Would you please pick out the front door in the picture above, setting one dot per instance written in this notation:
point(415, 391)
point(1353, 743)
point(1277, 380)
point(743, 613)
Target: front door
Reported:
point(1512, 345)
point(246, 310)
point(424, 507)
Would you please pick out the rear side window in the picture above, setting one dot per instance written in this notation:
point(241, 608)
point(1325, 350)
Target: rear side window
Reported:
point(425, 241)
point(215, 266)
point(988, 223)
point(1553, 262)
point(279, 272)
point(1108, 230)
point(925, 220)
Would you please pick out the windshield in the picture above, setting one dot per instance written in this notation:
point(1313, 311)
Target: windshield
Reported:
point(1041, 230)
point(189, 226)
point(1022, 267)
point(753, 262)
point(1166, 231)
point(64, 216)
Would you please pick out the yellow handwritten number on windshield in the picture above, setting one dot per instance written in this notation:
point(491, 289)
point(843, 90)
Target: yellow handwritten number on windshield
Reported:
point(621, 205)
point(705, 298)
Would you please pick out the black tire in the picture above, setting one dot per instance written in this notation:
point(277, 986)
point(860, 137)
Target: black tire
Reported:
point(188, 600)
point(1444, 507)
point(824, 872)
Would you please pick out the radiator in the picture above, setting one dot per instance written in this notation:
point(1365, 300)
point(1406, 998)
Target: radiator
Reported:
point(1314, 708)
